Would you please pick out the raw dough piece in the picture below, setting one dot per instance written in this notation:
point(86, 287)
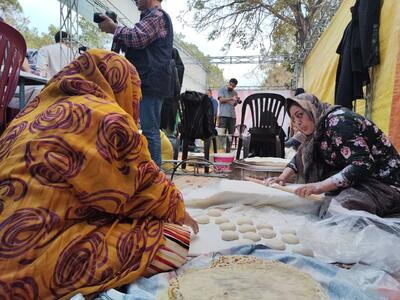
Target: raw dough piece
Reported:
point(290, 238)
point(229, 235)
point(231, 279)
point(227, 226)
point(221, 220)
point(291, 231)
point(242, 221)
point(275, 244)
point(203, 219)
point(245, 242)
point(262, 226)
point(303, 251)
point(267, 233)
point(246, 228)
point(252, 236)
point(214, 212)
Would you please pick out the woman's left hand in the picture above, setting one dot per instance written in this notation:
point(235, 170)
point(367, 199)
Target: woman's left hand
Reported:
point(308, 189)
point(189, 221)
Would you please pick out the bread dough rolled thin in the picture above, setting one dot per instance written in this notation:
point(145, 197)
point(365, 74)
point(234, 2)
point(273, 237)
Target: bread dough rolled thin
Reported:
point(246, 228)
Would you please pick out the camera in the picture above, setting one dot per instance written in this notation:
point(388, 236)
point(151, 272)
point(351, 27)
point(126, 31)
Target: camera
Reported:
point(238, 101)
point(97, 18)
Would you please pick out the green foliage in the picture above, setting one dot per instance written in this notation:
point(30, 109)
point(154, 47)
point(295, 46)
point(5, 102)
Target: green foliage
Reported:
point(278, 76)
point(92, 36)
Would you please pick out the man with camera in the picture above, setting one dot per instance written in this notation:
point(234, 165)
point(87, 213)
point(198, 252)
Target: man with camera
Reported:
point(228, 99)
point(148, 46)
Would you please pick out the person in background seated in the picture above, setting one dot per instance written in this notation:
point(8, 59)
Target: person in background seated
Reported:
point(83, 207)
point(52, 58)
point(346, 154)
point(214, 104)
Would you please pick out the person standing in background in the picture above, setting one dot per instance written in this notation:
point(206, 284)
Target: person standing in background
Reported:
point(52, 58)
point(214, 104)
point(228, 99)
point(148, 46)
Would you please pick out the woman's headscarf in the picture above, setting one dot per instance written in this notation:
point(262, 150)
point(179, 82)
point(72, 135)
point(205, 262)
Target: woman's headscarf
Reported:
point(308, 163)
point(103, 74)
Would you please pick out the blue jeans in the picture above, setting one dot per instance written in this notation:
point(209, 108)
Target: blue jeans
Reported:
point(150, 115)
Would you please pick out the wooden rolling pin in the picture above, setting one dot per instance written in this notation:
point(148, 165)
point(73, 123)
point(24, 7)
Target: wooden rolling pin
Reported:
point(286, 188)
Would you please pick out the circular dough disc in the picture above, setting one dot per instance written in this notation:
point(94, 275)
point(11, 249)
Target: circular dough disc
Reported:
point(303, 251)
point(221, 220)
point(227, 226)
point(246, 228)
point(214, 212)
point(275, 244)
point(267, 233)
point(229, 235)
point(252, 236)
point(290, 238)
point(203, 219)
point(242, 221)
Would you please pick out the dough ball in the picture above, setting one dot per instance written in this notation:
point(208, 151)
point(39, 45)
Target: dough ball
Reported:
point(267, 233)
point(221, 220)
point(290, 231)
point(246, 228)
point(229, 235)
point(262, 226)
point(275, 244)
point(242, 221)
point(245, 242)
point(303, 251)
point(252, 236)
point(289, 238)
point(203, 219)
point(214, 212)
point(227, 226)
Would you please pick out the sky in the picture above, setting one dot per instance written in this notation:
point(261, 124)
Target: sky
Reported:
point(42, 13)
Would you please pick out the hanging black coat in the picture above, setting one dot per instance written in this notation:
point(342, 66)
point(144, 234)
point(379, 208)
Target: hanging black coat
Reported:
point(358, 50)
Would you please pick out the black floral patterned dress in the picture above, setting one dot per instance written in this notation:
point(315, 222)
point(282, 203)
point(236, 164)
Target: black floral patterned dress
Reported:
point(353, 149)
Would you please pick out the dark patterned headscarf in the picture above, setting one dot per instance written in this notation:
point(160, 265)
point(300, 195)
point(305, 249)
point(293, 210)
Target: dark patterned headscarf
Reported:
point(307, 161)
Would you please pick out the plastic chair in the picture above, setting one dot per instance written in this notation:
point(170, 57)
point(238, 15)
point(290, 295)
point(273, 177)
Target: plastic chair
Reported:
point(265, 109)
point(12, 55)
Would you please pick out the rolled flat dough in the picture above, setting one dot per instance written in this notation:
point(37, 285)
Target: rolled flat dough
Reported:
point(242, 221)
point(267, 233)
point(303, 251)
point(221, 220)
point(262, 226)
point(227, 226)
point(290, 238)
point(214, 212)
point(236, 280)
point(275, 244)
point(246, 228)
point(252, 236)
point(229, 235)
point(203, 219)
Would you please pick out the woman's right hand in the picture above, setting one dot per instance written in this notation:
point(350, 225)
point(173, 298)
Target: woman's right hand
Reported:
point(279, 180)
point(189, 221)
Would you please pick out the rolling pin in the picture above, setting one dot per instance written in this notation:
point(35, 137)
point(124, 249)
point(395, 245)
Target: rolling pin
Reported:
point(286, 188)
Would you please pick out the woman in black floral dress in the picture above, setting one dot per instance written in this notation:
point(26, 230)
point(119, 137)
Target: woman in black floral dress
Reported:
point(345, 154)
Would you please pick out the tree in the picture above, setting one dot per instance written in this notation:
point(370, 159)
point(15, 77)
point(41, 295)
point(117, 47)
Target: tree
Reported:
point(278, 76)
point(91, 35)
point(249, 22)
point(215, 76)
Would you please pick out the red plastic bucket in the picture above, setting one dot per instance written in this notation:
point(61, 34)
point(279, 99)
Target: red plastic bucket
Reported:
point(227, 158)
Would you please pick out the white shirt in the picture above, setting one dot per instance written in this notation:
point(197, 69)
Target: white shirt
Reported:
point(53, 58)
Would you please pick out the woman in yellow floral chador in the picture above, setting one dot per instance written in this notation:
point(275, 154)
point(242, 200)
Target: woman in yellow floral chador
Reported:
point(83, 208)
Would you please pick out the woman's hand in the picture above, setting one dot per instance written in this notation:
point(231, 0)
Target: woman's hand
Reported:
point(308, 189)
point(279, 180)
point(189, 221)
